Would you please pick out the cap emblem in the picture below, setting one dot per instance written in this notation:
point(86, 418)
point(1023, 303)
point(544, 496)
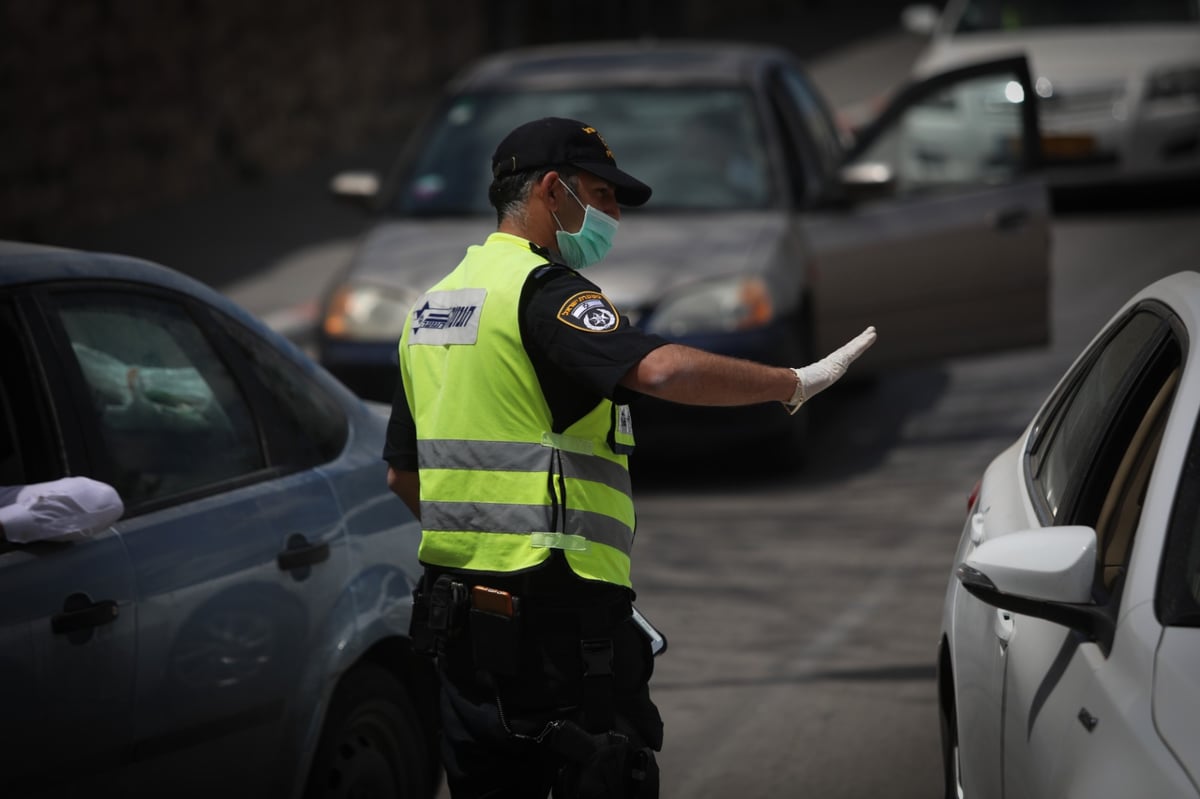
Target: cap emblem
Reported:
point(607, 151)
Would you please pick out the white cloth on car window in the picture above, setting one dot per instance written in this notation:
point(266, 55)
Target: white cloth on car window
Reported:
point(69, 509)
point(150, 398)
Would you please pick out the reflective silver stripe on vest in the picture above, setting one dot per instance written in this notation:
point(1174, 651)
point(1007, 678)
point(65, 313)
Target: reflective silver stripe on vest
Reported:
point(491, 517)
point(493, 456)
point(516, 456)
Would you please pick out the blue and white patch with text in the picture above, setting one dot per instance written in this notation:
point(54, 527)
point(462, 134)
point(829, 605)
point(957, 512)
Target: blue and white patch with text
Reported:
point(447, 317)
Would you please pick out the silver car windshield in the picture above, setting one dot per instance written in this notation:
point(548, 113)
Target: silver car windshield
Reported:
point(1001, 15)
point(698, 149)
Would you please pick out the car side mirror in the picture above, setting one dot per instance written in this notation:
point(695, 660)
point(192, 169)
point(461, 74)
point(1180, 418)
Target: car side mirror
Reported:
point(1045, 573)
point(920, 19)
point(359, 188)
point(867, 181)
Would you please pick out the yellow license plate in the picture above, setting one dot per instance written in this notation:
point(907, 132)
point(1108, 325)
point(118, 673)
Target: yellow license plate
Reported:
point(1059, 145)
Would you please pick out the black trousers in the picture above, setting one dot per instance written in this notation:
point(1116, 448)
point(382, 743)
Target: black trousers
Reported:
point(490, 720)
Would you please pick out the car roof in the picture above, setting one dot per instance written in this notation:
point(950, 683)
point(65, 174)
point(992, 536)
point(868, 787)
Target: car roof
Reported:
point(1180, 290)
point(24, 262)
point(634, 63)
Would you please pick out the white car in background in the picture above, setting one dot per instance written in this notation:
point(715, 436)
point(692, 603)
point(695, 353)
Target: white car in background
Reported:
point(1118, 82)
point(1071, 627)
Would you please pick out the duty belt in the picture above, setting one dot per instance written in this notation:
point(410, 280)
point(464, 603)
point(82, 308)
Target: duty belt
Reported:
point(494, 617)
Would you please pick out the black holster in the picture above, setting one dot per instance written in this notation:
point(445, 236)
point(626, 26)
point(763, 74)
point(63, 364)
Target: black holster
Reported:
point(438, 615)
point(604, 766)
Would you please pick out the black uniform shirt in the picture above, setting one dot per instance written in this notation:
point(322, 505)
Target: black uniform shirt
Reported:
point(578, 343)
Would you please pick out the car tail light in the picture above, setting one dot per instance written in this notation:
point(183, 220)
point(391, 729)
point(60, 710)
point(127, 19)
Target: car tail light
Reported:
point(973, 497)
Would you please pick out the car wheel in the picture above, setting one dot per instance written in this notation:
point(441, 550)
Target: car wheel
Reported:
point(372, 743)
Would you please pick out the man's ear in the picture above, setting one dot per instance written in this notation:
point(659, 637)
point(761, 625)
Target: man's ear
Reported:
point(547, 188)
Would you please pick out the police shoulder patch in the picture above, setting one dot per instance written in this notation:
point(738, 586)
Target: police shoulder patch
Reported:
point(589, 311)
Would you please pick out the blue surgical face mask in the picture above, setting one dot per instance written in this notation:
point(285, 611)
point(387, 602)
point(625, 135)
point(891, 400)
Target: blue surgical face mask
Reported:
point(591, 242)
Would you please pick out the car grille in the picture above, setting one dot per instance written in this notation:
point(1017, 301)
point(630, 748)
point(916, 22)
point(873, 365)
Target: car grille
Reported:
point(1077, 99)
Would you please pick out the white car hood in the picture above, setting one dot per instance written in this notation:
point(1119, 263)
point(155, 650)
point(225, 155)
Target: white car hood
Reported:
point(1074, 56)
point(652, 253)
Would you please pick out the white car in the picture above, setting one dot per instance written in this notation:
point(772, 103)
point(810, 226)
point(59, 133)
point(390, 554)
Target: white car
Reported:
point(1118, 82)
point(1070, 635)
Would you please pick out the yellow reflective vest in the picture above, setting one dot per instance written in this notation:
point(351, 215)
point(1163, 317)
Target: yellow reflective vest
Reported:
point(499, 487)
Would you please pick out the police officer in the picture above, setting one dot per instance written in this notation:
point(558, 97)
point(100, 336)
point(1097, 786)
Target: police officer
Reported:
point(509, 439)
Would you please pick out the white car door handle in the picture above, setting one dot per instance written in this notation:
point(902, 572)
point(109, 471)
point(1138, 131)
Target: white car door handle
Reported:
point(1003, 627)
point(977, 529)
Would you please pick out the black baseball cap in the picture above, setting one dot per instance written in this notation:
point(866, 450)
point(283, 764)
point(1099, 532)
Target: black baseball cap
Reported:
point(555, 141)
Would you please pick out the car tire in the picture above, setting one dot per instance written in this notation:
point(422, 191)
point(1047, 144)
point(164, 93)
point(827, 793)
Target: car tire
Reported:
point(372, 743)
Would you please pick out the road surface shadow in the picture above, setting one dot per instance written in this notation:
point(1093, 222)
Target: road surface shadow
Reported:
point(915, 672)
point(851, 428)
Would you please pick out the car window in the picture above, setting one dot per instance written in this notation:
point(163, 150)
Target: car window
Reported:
point(995, 15)
point(28, 448)
point(170, 415)
point(1178, 598)
point(969, 133)
point(1121, 507)
point(700, 148)
point(1100, 438)
point(307, 426)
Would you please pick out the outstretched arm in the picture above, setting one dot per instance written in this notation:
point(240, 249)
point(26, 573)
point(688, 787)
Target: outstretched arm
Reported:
point(691, 376)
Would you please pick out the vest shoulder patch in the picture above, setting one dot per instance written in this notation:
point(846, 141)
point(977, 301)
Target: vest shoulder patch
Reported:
point(589, 311)
point(447, 317)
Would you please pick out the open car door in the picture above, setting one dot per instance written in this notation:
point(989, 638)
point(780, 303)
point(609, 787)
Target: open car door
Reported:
point(941, 235)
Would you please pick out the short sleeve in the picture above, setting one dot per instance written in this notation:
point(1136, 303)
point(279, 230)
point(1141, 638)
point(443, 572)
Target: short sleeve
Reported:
point(569, 320)
point(400, 443)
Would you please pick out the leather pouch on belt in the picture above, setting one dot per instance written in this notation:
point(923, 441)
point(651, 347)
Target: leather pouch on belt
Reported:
point(418, 627)
point(495, 627)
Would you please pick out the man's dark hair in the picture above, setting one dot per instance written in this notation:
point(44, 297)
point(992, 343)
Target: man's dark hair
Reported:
point(510, 193)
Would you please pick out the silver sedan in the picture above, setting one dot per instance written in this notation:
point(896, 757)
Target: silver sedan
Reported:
point(772, 234)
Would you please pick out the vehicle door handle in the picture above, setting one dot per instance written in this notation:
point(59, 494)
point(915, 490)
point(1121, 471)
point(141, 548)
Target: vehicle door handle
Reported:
point(1003, 627)
point(1008, 219)
point(80, 613)
point(977, 529)
point(300, 554)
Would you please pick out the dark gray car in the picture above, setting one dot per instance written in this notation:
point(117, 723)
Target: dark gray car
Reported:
point(242, 630)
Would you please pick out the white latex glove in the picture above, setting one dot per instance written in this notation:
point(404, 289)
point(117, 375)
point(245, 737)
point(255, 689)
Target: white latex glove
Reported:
point(70, 509)
point(816, 377)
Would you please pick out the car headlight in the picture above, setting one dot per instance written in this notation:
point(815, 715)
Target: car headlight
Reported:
point(364, 312)
point(1174, 84)
point(718, 307)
